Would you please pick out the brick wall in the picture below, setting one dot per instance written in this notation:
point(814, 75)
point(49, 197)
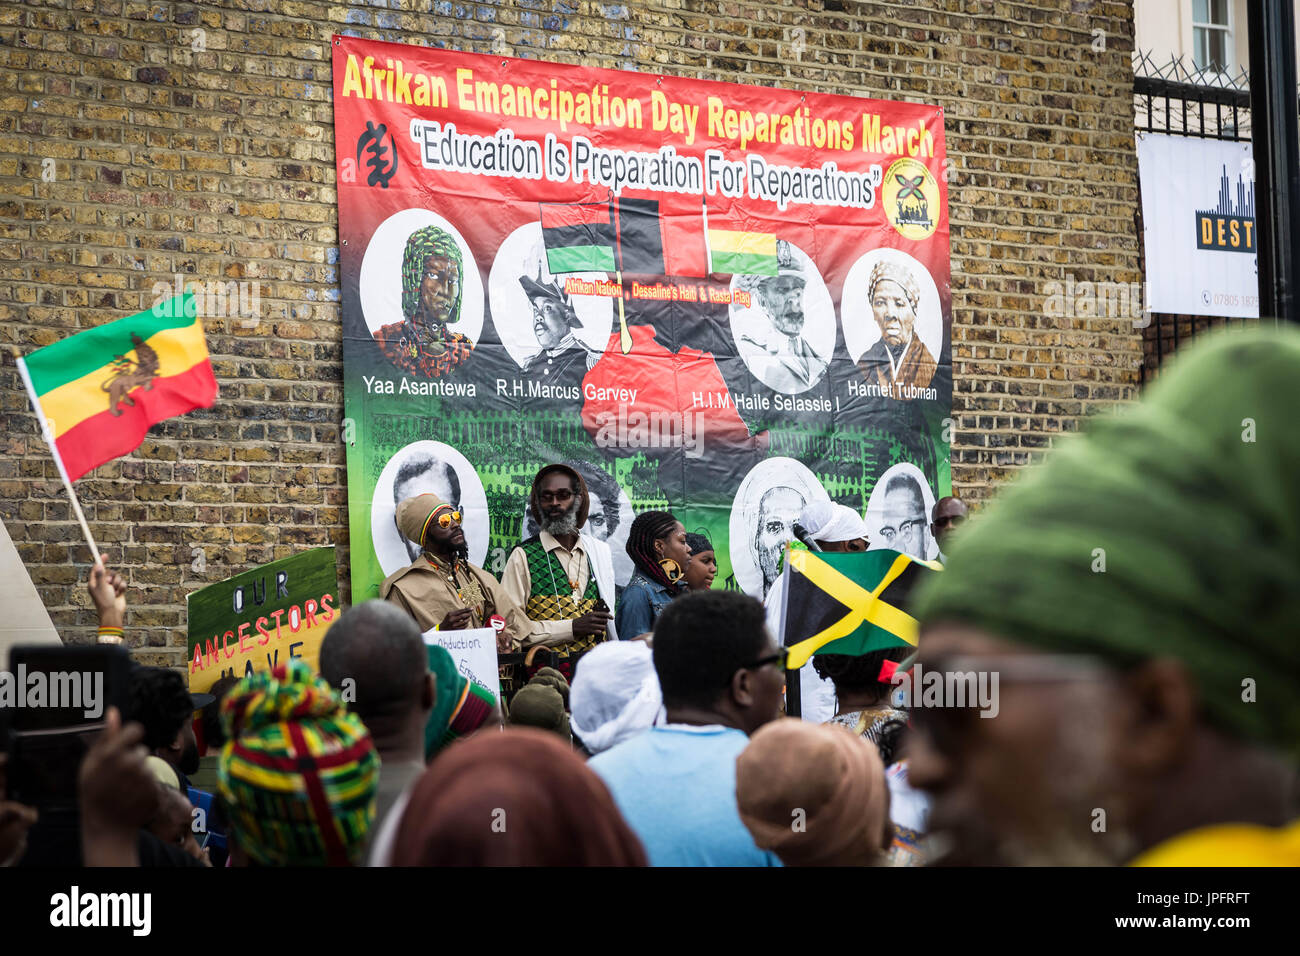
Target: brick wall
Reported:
point(139, 140)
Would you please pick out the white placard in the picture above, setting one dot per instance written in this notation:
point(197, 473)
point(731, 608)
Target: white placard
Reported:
point(1198, 215)
point(474, 651)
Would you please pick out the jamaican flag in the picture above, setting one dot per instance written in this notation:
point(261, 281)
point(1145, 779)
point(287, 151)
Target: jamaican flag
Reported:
point(848, 603)
point(97, 393)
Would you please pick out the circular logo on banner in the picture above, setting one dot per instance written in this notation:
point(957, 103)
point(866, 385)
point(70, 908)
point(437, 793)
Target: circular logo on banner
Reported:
point(911, 199)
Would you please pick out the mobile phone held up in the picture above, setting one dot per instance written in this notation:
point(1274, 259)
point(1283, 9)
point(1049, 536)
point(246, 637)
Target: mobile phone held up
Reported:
point(56, 702)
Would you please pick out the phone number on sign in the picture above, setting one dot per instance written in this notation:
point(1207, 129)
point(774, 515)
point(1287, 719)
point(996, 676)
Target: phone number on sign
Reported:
point(1227, 298)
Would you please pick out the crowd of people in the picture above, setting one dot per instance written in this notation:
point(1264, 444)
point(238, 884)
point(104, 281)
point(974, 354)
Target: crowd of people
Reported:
point(1133, 596)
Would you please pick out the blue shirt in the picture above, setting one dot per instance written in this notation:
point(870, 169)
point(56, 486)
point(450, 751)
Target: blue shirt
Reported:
point(639, 605)
point(676, 788)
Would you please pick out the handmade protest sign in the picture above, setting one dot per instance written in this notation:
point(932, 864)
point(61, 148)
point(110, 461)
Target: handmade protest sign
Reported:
point(474, 651)
point(255, 620)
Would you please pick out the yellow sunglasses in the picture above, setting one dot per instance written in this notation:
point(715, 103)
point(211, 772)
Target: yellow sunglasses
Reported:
point(447, 517)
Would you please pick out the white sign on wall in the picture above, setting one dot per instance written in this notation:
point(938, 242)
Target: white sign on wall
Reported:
point(1198, 214)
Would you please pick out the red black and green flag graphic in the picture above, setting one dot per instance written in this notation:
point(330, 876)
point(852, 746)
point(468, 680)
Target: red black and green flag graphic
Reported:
point(652, 237)
point(852, 603)
point(579, 237)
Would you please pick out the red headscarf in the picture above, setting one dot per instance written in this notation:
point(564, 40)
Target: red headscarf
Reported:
point(517, 798)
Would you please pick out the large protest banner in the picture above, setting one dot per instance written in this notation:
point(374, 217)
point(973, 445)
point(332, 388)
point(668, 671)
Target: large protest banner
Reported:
point(251, 622)
point(725, 300)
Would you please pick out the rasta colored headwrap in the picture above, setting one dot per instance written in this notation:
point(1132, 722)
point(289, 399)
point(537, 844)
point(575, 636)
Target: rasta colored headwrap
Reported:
point(298, 773)
point(415, 514)
point(429, 241)
point(1169, 530)
point(460, 707)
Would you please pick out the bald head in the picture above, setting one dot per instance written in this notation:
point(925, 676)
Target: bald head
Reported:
point(949, 512)
point(378, 647)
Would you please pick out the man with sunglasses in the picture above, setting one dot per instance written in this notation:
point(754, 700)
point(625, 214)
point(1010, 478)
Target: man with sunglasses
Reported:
point(722, 676)
point(949, 514)
point(441, 588)
point(1136, 598)
point(562, 578)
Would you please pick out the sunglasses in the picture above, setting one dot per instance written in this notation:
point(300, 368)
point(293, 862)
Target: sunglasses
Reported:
point(781, 658)
point(447, 517)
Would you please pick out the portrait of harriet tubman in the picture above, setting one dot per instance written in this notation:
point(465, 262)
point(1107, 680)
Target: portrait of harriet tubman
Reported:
point(432, 276)
point(899, 357)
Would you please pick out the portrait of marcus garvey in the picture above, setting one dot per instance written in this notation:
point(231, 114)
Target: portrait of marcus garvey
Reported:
point(564, 359)
point(899, 357)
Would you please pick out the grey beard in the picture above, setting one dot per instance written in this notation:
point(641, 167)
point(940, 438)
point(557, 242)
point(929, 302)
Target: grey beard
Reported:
point(562, 526)
point(768, 566)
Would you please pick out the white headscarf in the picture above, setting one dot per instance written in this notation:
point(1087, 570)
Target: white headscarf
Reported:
point(827, 521)
point(615, 694)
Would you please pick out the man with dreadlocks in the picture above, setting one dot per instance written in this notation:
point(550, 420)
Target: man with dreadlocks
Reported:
point(441, 588)
point(431, 299)
point(656, 543)
point(563, 579)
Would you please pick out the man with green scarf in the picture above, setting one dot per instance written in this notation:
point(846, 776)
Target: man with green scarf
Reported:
point(421, 343)
point(1137, 598)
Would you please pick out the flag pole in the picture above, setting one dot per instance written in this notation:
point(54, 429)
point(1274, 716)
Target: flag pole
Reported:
point(58, 462)
point(793, 696)
point(624, 336)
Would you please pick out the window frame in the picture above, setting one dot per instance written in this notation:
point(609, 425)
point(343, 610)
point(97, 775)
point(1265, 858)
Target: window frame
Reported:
point(1200, 27)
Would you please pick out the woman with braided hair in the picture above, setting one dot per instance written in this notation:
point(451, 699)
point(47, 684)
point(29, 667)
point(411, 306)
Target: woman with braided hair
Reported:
point(421, 343)
point(863, 685)
point(656, 543)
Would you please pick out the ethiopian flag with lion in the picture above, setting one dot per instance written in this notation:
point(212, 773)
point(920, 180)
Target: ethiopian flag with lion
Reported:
point(98, 392)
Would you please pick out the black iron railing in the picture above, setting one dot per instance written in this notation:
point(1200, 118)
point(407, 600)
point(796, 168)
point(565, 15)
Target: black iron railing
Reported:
point(1179, 100)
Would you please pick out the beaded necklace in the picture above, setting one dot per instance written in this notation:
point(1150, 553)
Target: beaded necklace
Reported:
point(470, 593)
point(573, 581)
